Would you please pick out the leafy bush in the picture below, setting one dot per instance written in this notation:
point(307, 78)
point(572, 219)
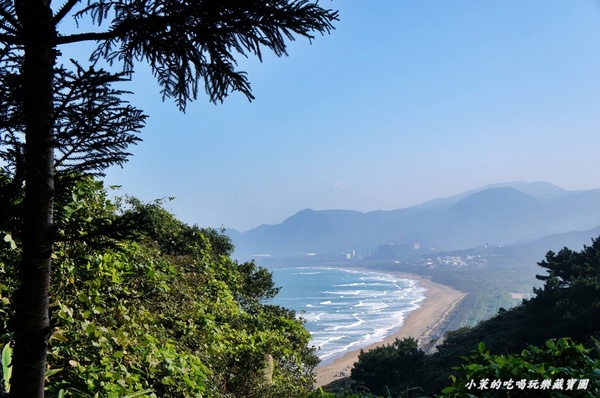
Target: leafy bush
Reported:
point(392, 368)
point(322, 394)
point(167, 314)
point(560, 369)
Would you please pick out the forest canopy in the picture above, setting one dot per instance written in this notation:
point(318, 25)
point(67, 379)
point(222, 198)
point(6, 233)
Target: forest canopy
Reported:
point(165, 312)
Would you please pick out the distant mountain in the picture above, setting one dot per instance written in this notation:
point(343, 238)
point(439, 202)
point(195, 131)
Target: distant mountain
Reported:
point(536, 189)
point(498, 214)
point(573, 240)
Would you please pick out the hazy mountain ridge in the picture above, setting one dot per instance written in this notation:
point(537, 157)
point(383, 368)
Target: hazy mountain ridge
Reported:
point(498, 214)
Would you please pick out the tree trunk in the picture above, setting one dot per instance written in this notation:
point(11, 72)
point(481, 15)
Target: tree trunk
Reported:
point(32, 323)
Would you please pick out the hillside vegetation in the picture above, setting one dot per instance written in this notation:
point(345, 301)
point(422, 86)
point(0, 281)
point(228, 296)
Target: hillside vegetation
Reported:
point(543, 338)
point(148, 306)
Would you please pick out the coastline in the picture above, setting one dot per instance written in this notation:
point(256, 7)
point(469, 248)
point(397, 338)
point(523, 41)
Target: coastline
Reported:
point(423, 324)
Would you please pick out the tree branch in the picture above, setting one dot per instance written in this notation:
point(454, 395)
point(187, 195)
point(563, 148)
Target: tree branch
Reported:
point(64, 10)
point(89, 36)
point(8, 17)
point(9, 29)
point(10, 39)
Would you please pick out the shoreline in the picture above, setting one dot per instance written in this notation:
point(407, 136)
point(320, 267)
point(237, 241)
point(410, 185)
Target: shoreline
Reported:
point(422, 324)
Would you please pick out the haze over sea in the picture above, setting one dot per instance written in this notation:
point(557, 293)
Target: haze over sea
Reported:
point(346, 309)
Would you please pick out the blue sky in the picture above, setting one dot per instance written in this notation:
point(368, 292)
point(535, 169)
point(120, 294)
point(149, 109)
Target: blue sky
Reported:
point(404, 102)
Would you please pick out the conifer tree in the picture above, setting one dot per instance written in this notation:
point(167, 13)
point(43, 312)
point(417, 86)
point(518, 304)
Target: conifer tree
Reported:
point(93, 127)
point(186, 44)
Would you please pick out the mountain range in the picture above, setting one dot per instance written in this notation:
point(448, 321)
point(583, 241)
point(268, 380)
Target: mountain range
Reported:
point(499, 214)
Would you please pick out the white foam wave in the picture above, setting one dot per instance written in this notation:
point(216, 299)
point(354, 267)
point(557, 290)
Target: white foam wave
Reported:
point(355, 310)
point(345, 292)
point(312, 317)
point(353, 325)
point(372, 306)
point(351, 284)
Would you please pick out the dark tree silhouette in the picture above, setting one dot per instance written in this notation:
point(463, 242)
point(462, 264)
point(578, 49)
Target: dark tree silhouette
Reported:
point(186, 43)
point(93, 127)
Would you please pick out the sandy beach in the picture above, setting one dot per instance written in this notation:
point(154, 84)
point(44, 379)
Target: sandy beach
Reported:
point(422, 324)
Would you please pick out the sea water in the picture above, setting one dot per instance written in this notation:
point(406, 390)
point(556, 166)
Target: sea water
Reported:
point(346, 309)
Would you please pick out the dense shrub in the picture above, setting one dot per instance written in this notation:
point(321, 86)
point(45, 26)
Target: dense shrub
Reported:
point(392, 368)
point(144, 305)
point(559, 369)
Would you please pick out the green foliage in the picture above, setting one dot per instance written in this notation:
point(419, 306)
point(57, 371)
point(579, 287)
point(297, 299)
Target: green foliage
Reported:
point(171, 236)
point(6, 367)
point(570, 297)
point(93, 126)
point(536, 372)
point(359, 392)
point(322, 394)
point(160, 317)
point(393, 367)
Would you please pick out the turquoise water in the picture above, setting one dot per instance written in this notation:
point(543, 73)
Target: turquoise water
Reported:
point(346, 309)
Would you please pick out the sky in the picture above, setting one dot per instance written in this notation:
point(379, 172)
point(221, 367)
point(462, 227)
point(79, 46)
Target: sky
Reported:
point(403, 102)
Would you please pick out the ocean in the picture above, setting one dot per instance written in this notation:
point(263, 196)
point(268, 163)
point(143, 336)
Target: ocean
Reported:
point(346, 309)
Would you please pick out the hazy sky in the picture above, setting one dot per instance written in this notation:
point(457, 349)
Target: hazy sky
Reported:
point(404, 102)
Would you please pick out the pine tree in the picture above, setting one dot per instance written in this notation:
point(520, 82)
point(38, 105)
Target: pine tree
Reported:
point(186, 43)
